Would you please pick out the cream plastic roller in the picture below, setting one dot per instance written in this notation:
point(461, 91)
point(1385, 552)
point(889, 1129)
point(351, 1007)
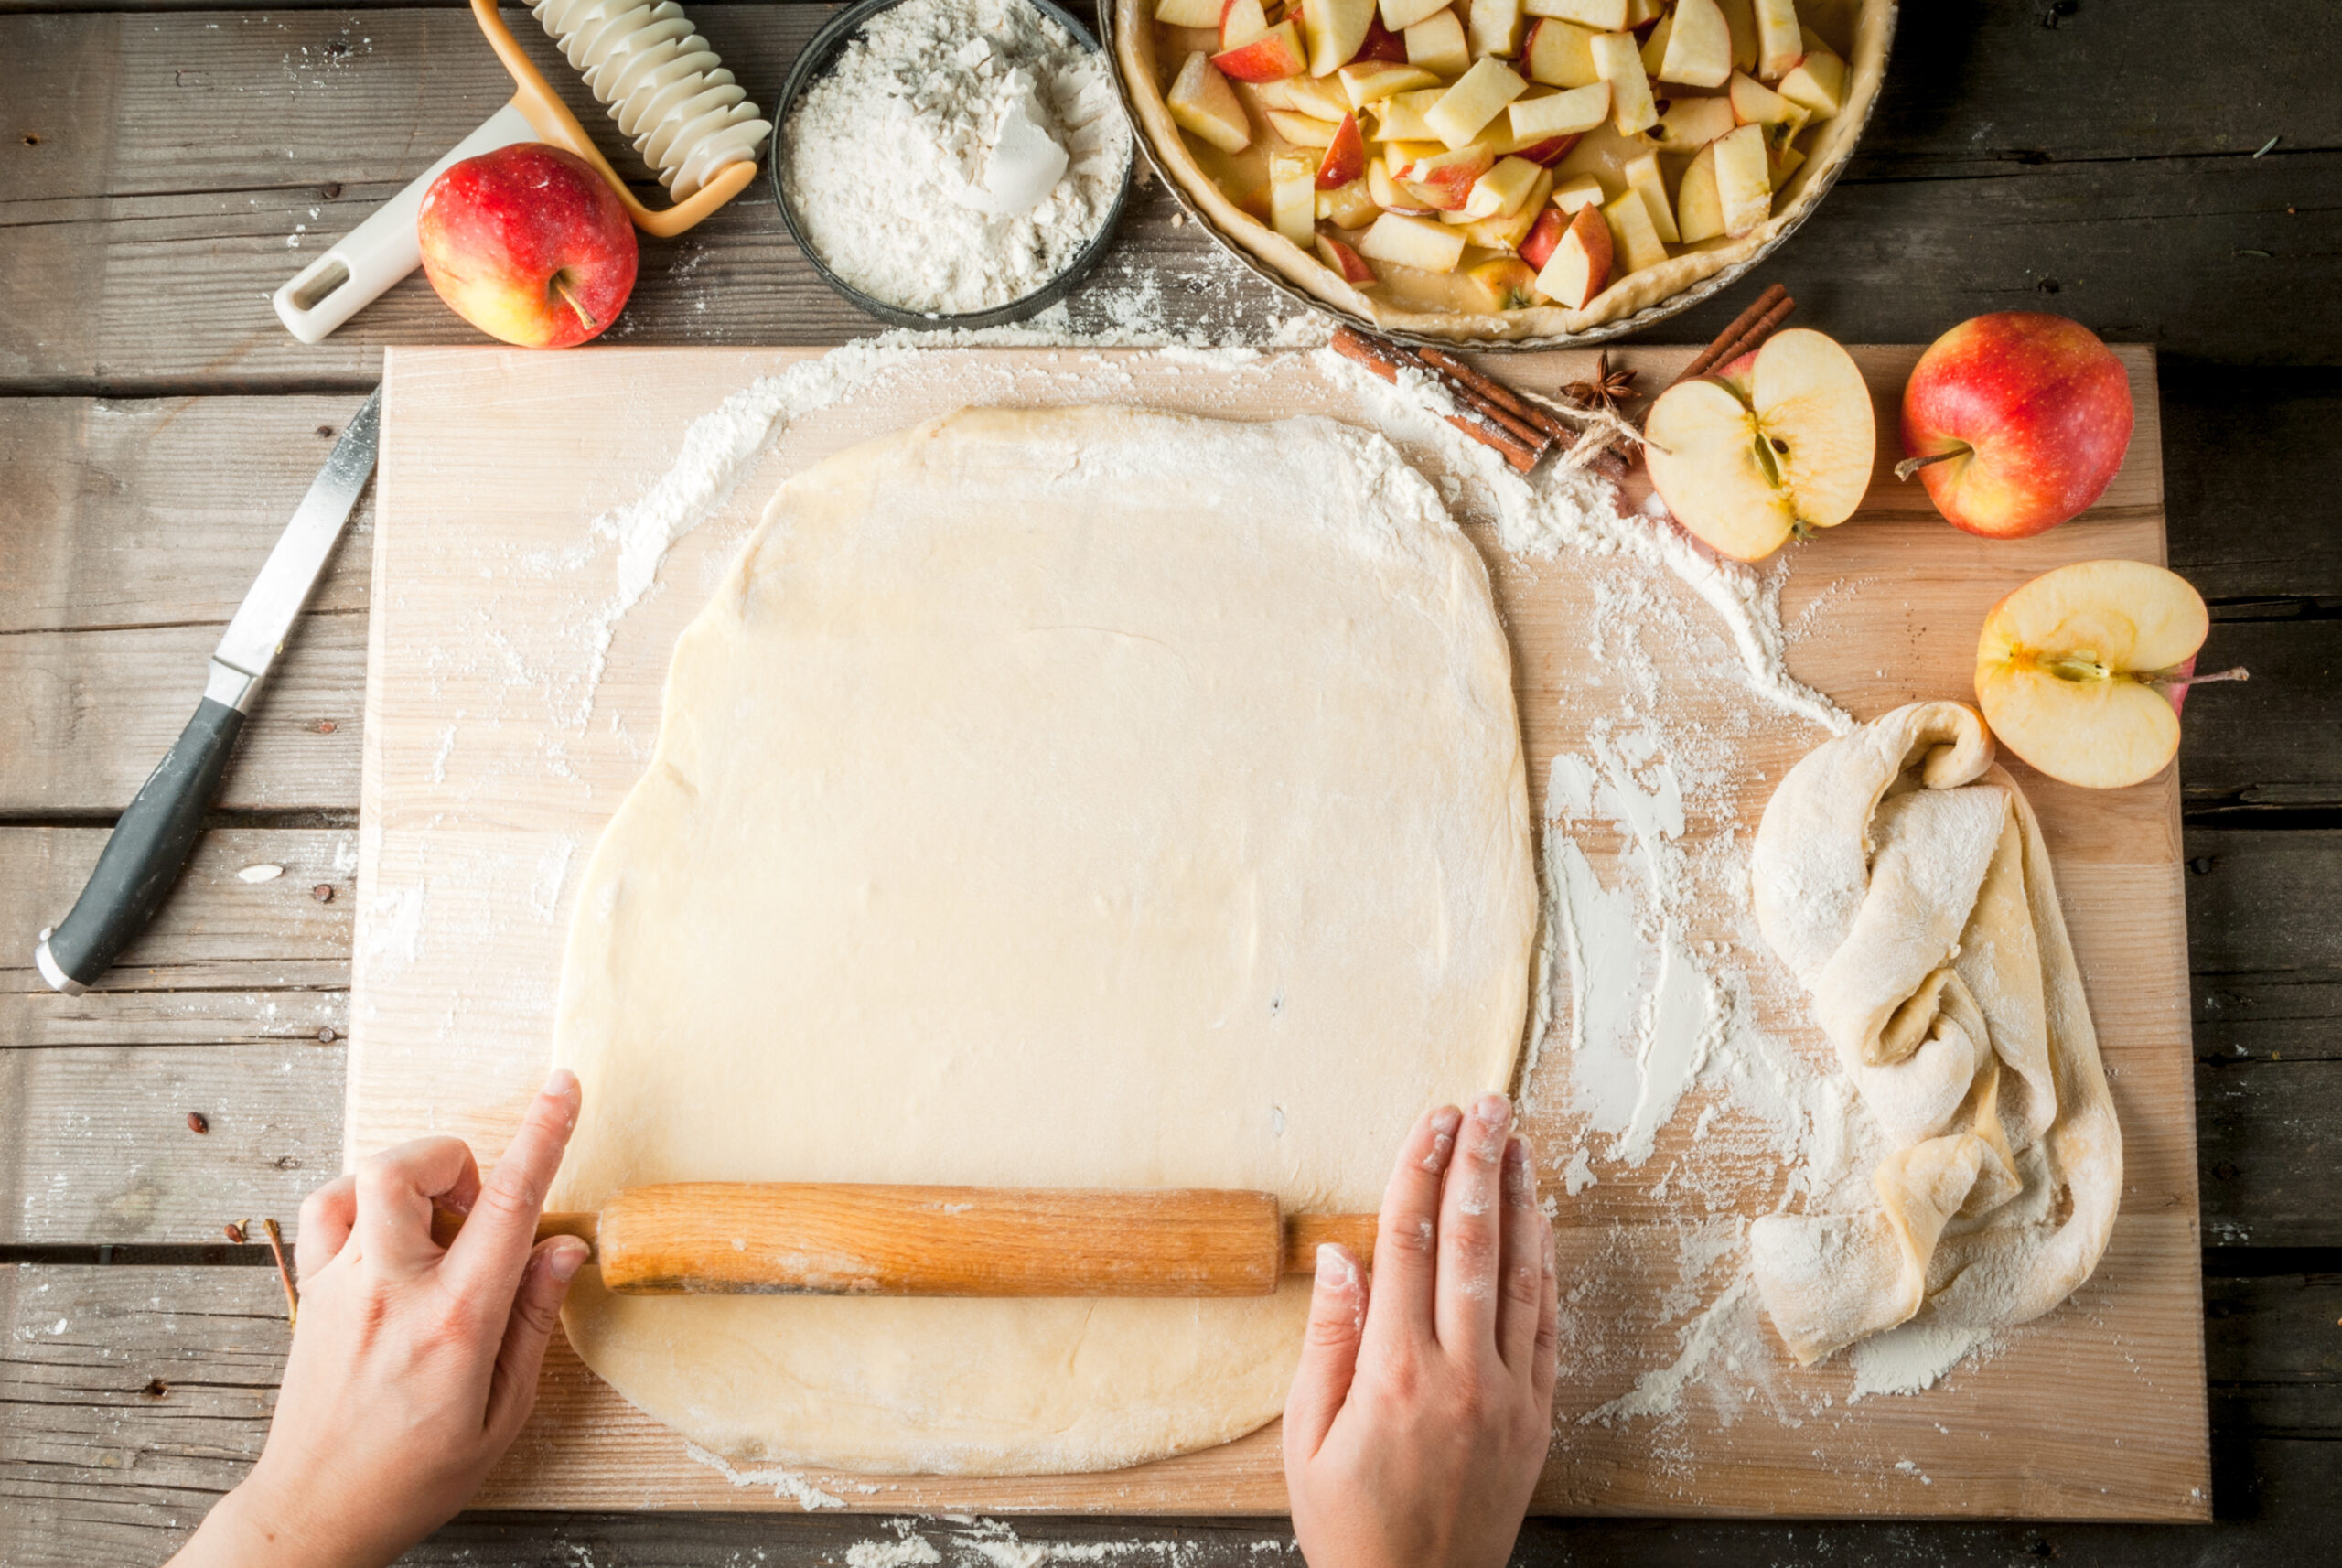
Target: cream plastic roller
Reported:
point(662, 84)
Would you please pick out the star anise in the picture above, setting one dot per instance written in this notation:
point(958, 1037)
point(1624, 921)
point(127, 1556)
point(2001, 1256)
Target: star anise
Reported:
point(1608, 390)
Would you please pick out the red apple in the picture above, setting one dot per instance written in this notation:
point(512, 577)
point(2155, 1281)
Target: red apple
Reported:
point(1345, 157)
point(2015, 422)
point(1550, 151)
point(528, 245)
point(1538, 248)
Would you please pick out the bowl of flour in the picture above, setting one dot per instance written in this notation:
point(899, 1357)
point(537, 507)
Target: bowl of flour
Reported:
point(953, 163)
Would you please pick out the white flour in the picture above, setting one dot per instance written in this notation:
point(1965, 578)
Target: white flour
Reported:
point(958, 155)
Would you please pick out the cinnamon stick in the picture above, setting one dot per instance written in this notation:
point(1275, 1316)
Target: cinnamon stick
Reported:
point(1766, 324)
point(1726, 346)
point(1475, 416)
point(1541, 420)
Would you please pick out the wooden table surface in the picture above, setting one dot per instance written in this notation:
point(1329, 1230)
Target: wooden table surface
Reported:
point(2167, 171)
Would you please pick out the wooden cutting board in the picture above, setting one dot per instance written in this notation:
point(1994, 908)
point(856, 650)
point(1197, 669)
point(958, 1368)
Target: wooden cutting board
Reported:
point(512, 697)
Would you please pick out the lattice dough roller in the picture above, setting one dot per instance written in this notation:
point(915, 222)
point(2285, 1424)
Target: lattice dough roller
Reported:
point(663, 85)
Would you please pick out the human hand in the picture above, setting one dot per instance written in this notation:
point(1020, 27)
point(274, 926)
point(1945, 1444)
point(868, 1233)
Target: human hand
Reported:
point(413, 1366)
point(1423, 1405)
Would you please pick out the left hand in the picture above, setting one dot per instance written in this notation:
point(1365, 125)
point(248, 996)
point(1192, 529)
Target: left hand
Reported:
point(414, 1365)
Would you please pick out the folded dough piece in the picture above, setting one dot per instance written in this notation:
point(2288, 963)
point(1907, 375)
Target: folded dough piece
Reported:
point(1902, 877)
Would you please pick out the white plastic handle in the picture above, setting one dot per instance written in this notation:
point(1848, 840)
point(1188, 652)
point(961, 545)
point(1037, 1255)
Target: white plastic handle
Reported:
point(384, 249)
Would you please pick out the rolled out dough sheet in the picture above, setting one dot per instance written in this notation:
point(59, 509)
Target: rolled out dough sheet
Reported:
point(1084, 798)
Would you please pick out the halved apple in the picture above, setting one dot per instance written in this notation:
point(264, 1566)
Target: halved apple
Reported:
point(1202, 103)
point(1412, 242)
point(1275, 54)
point(2080, 671)
point(1346, 262)
point(1366, 84)
point(1598, 16)
point(1579, 266)
point(1570, 114)
point(1479, 95)
point(1616, 63)
point(1560, 54)
point(1777, 444)
point(1335, 29)
point(1699, 45)
point(1437, 43)
point(1345, 159)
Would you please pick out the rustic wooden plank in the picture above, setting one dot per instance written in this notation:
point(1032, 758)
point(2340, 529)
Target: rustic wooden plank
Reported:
point(42, 1020)
point(96, 710)
point(2268, 743)
point(151, 206)
point(217, 933)
point(98, 1462)
point(159, 511)
point(2251, 470)
point(100, 1148)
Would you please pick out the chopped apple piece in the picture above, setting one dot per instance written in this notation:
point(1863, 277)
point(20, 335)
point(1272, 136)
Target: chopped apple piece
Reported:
point(1754, 103)
point(1787, 161)
point(1780, 442)
point(2081, 672)
point(1400, 14)
point(1690, 123)
point(1641, 11)
point(1478, 96)
point(1615, 62)
point(1293, 199)
point(1699, 45)
point(1399, 117)
point(1346, 262)
point(1504, 234)
point(1187, 13)
point(1740, 17)
point(1743, 180)
point(1595, 15)
point(1444, 181)
point(1351, 206)
point(1559, 54)
point(1365, 85)
point(1503, 190)
point(1545, 151)
point(1275, 55)
point(1437, 43)
point(1654, 50)
point(1502, 283)
point(1387, 194)
point(1579, 268)
point(1335, 29)
point(1301, 130)
point(1493, 28)
point(1345, 160)
point(1817, 82)
point(1382, 43)
point(1780, 40)
point(1580, 190)
point(1570, 114)
point(1642, 176)
point(1635, 243)
point(1537, 246)
point(1203, 103)
point(1412, 242)
point(1312, 95)
point(1699, 210)
point(1241, 21)
point(1399, 154)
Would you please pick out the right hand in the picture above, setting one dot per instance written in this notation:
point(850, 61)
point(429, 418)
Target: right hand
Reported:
point(1424, 1406)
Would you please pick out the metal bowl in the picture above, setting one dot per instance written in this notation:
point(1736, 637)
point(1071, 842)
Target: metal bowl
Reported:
point(1625, 326)
point(816, 58)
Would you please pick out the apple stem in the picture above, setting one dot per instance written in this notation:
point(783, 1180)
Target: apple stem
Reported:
point(1910, 466)
point(2238, 673)
point(561, 287)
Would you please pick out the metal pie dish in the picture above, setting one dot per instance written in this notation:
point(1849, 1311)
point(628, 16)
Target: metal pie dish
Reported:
point(814, 62)
point(1302, 278)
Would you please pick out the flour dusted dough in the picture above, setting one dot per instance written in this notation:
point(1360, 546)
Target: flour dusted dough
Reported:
point(1085, 797)
point(1916, 905)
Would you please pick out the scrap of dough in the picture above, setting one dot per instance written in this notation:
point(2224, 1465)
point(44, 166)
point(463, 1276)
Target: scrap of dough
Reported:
point(1903, 877)
point(1085, 797)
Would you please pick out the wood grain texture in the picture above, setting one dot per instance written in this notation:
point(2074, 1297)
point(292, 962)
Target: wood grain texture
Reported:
point(487, 776)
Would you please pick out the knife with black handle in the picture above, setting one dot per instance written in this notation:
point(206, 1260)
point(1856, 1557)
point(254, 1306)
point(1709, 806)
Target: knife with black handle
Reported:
point(158, 828)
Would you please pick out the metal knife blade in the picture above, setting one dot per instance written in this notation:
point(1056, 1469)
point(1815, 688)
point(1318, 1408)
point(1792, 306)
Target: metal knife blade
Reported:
point(256, 635)
point(156, 831)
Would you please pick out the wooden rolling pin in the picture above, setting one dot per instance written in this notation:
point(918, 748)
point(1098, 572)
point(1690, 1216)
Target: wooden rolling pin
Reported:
point(837, 1238)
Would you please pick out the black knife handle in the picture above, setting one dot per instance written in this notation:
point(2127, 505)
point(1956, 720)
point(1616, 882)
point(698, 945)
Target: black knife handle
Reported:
point(150, 845)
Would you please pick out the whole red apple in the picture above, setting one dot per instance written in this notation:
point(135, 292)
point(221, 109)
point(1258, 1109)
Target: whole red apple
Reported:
point(2015, 422)
point(528, 245)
